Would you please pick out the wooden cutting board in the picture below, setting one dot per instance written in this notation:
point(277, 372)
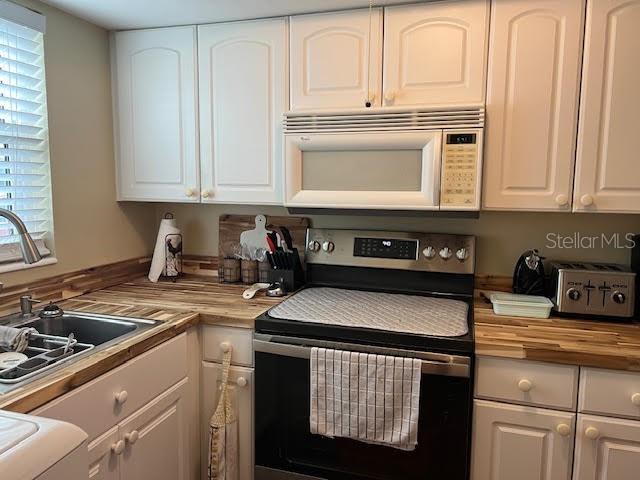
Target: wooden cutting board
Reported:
point(231, 227)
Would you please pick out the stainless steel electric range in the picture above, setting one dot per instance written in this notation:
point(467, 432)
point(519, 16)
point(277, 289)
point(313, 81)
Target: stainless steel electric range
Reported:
point(392, 293)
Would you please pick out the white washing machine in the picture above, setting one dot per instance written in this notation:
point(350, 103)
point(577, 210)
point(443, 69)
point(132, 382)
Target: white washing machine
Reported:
point(40, 448)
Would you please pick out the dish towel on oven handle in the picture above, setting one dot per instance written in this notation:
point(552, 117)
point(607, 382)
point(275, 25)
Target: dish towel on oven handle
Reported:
point(223, 433)
point(366, 397)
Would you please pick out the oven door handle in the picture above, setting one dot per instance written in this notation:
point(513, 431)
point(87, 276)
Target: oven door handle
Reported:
point(452, 367)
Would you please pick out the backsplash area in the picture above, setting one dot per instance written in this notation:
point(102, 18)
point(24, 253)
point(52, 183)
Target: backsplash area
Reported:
point(502, 236)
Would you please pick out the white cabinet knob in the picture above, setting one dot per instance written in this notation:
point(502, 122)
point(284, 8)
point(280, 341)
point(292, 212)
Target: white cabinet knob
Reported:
point(562, 200)
point(225, 347)
point(592, 433)
point(206, 194)
point(121, 397)
point(525, 385)
point(241, 382)
point(390, 96)
point(586, 200)
point(635, 399)
point(563, 429)
point(191, 192)
point(118, 447)
point(132, 437)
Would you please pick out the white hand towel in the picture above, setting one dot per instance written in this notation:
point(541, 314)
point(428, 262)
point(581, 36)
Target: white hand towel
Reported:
point(15, 339)
point(366, 397)
point(158, 263)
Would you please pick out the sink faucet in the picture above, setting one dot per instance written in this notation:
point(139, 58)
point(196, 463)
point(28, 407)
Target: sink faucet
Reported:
point(30, 252)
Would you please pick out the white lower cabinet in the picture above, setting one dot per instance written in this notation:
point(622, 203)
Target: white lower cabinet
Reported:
point(241, 391)
point(524, 443)
point(103, 462)
point(607, 449)
point(155, 439)
point(139, 417)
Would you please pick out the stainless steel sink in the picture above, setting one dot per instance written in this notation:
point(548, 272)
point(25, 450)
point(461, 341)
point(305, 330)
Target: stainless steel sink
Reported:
point(92, 332)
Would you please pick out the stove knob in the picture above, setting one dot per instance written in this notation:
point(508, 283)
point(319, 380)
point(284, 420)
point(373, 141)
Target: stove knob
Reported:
point(618, 297)
point(313, 246)
point(573, 294)
point(462, 254)
point(446, 253)
point(429, 252)
point(328, 247)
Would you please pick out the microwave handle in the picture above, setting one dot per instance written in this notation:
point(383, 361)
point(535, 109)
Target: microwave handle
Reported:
point(450, 368)
point(436, 167)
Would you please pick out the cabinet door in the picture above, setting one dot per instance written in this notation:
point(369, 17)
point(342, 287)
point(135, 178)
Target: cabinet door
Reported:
point(532, 96)
point(435, 53)
point(330, 53)
point(154, 89)
point(525, 443)
point(156, 439)
point(103, 456)
point(243, 89)
point(607, 169)
point(607, 449)
point(241, 388)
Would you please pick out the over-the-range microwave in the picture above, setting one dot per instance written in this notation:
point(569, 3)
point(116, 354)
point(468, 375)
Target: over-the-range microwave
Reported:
point(409, 160)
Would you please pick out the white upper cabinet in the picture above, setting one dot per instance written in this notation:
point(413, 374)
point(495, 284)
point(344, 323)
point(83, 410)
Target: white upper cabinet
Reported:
point(608, 167)
point(435, 53)
point(532, 97)
point(330, 53)
point(243, 96)
point(155, 103)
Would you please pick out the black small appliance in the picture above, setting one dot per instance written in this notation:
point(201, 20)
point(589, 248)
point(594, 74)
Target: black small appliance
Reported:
point(528, 275)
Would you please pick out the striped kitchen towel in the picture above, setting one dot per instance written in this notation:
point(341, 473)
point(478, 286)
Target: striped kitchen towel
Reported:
point(366, 397)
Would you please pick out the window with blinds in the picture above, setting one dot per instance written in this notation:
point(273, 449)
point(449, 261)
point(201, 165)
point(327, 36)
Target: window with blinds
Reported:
point(25, 182)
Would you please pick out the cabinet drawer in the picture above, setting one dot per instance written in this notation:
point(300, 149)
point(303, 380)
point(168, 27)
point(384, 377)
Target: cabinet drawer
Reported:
point(94, 407)
point(525, 382)
point(610, 392)
point(240, 339)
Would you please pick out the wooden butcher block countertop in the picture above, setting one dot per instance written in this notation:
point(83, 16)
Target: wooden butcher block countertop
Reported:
point(179, 305)
point(557, 339)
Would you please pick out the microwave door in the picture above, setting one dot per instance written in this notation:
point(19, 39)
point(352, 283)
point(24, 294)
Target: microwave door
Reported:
point(383, 170)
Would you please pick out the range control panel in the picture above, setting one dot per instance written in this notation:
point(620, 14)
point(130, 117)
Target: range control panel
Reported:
point(594, 288)
point(433, 252)
point(461, 164)
point(385, 248)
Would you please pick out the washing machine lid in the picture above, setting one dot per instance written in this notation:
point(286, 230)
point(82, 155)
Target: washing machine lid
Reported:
point(31, 445)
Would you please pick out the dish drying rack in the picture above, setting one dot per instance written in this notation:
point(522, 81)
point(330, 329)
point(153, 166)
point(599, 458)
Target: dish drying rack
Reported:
point(44, 352)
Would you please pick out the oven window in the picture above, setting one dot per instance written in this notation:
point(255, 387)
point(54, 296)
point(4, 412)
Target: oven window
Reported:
point(283, 440)
point(362, 170)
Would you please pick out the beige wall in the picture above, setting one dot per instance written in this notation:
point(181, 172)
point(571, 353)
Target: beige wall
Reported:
point(91, 228)
point(502, 236)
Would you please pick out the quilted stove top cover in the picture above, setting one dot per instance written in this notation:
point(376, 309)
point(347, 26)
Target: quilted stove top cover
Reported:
point(381, 311)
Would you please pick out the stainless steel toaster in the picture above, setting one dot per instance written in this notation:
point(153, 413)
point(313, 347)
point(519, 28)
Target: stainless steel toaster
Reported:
point(603, 289)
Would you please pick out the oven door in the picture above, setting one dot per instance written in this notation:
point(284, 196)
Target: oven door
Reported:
point(390, 170)
point(285, 449)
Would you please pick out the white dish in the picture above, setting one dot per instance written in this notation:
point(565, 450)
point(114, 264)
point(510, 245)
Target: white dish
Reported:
point(11, 359)
point(516, 305)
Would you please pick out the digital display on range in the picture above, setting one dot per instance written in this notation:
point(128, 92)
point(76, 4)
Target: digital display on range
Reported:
point(385, 248)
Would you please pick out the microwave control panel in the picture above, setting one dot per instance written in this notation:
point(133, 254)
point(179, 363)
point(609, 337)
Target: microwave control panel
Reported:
point(461, 153)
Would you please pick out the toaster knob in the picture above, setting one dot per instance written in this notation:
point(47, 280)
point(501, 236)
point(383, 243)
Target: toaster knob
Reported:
point(618, 297)
point(573, 294)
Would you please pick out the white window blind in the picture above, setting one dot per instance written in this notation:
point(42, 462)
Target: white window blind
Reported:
point(25, 181)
